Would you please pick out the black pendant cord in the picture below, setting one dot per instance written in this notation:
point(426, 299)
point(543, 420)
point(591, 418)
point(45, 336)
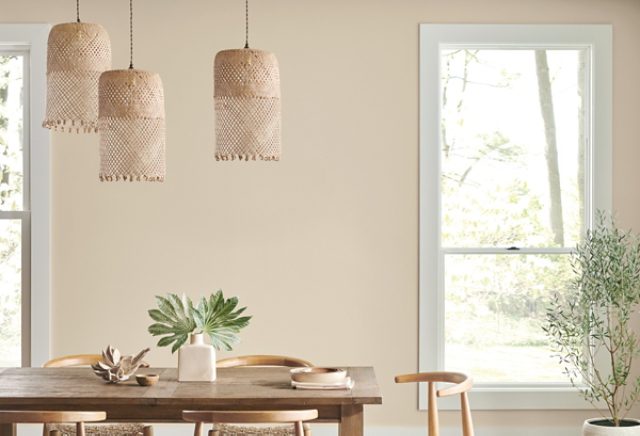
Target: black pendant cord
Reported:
point(131, 34)
point(78, 11)
point(246, 23)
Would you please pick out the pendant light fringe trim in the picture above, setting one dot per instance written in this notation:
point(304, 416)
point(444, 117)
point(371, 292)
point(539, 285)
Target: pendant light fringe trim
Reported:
point(131, 178)
point(245, 157)
point(70, 126)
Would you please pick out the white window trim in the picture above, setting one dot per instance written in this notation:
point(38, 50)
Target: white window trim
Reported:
point(33, 38)
point(431, 311)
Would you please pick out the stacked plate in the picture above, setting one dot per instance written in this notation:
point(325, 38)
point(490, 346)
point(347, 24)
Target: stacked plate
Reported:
point(320, 378)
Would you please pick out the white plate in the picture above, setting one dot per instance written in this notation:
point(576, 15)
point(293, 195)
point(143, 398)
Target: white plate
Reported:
point(347, 383)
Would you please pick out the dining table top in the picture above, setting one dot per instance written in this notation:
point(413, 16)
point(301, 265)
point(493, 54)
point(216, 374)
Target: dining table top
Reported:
point(248, 388)
point(245, 386)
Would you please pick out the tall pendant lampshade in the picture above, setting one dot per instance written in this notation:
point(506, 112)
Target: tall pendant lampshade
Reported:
point(77, 54)
point(131, 124)
point(247, 103)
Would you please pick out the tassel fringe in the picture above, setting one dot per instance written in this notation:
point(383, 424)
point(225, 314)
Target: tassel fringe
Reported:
point(131, 178)
point(245, 157)
point(79, 126)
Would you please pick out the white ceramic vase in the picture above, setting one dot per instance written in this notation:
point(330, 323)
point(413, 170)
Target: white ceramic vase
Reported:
point(590, 429)
point(197, 361)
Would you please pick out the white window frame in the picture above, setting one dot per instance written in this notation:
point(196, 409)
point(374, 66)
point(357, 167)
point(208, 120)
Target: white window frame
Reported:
point(31, 40)
point(433, 37)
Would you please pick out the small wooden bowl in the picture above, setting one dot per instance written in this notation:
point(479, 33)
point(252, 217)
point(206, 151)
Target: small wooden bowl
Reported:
point(147, 379)
point(318, 375)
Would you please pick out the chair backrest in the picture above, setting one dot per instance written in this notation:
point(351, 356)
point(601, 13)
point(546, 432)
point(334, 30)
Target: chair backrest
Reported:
point(262, 360)
point(296, 417)
point(462, 384)
point(73, 360)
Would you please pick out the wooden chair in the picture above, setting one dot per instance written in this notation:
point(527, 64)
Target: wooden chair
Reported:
point(105, 429)
point(261, 360)
point(462, 384)
point(51, 417)
point(73, 360)
point(295, 417)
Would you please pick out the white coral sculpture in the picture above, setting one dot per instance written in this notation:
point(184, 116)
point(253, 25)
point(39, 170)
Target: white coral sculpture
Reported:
point(115, 368)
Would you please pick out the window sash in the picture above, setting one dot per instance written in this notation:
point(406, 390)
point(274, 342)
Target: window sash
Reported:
point(445, 251)
point(588, 216)
point(441, 297)
point(24, 215)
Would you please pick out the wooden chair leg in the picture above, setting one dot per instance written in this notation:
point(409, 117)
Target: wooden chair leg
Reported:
point(433, 411)
point(467, 423)
point(307, 429)
point(299, 430)
point(147, 430)
point(198, 429)
point(80, 429)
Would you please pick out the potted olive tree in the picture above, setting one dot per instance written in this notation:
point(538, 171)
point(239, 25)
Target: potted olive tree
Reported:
point(590, 326)
point(177, 320)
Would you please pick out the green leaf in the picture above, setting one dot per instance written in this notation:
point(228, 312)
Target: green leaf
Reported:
point(180, 340)
point(199, 319)
point(158, 329)
point(166, 307)
point(167, 340)
point(157, 315)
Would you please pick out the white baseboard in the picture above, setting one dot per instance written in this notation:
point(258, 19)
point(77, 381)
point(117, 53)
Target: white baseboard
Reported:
point(331, 430)
point(322, 430)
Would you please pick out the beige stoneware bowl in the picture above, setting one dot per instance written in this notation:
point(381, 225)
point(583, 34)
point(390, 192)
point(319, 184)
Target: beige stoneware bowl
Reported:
point(318, 375)
point(147, 379)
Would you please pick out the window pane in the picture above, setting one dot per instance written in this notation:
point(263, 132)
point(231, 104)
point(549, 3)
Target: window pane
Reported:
point(11, 132)
point(494, 310)
point(512, 150)
point(10, 292)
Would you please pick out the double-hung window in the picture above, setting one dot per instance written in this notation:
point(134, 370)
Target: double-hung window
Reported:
point(24, 197)
point(515, 161)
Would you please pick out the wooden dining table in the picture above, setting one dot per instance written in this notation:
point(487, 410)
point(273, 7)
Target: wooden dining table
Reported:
point(259, 388)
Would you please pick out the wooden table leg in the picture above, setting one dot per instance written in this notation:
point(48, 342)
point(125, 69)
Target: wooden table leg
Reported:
point(352, 420)
point(8, 430)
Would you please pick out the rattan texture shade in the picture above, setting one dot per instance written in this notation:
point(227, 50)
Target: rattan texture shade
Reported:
point(247, 105)
point(238, 430)
point(132, 126)
point(78, 53)
point(101, 429)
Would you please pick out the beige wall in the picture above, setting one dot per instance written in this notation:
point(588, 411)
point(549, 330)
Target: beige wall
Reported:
point(323, 246)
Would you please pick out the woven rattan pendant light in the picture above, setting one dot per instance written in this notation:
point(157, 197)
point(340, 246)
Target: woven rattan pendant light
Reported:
point(76, 56)
point(247, 103)
point(131, 123)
